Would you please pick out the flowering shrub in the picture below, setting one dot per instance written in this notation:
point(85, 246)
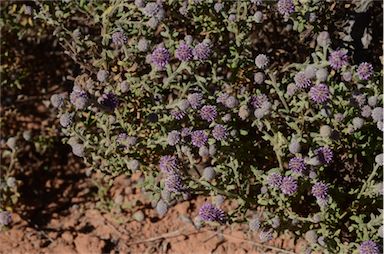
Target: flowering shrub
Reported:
point(260, 103)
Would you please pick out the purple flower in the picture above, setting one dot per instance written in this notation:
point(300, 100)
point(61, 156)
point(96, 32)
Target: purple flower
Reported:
point(208, 113)
point(195, 99)
point(173, 138)
point(109, 100)
point(168, 164)
point(285, 7)
point(338, 59)
point(319, 93)
point(174, 183)
point(178, 114)
point(202, 51)
point(265, 236)
point(261, 61)
point(301, 80)
point(231, 102)
point(369, 247)
point(219, 132)
point(160, 57)
point(119, 38)
point(57, 100)
point(5, 218)
point(218, 7)
point(365, 71)
point(79, 98)
point(377, 114)
point(320, 190)
point(324, 154)
point(186, 132)
point(183, 52)
point(288, 185)
point(297, 165)
point(258, 100)
point(222, 98)
point(209, 212)
point(66, 119)
point(199, 138)
point(274, 180)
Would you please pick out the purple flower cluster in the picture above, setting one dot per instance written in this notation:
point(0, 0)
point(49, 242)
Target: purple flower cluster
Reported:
point(288, 185)
point(319, 93)
point(168, 164)
point(208, 113)
point(297, 165)
point(302, 81)
point(369, 247)
point(258, 100)
point(184, 52)
point(119, 38)
point(173, 138)
point(209, 212)
point(160, 57)
point(174, 182)
point(199, 138)
point(79, 98)
point(324, 154)
point(274, 180)
point(337, 59)
point(202, 51)
point(320, 190)
point(219, 132)
point(195, 100)
point(285, 7)
point(365, 71)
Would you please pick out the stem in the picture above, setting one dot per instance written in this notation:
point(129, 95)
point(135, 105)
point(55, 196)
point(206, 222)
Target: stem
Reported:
point(274, 84)
point(368, 180)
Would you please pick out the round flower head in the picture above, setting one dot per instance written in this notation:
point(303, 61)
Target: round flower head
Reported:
point(285, 7)
point(133, 165)
point(218, 7)
point(202, 51)
point(142, 45)
point(109, 100)
point(209, 212)
point(275, 222)
point(219, 132)
point(119, 38)
point(195, 99)
point(325, 131)
point(357, 123)
point(366, 111)
point(160, 57)
point(258, 17)
point(263, 110)
point(199, 138)
point(311, 236)
point(186, 132)
point(372, 100)
point(168, 164)
point(265, 236)
point(324, 154)
point(291, 89)
point(5, 218)
point(139, 3)
point(322, 74)
point(261, 61)
point(369, 247)
point(323, 39)
point(297, 165)
point(203, 151)
point(310, 72)
point(243, 112)
point(209, 173)
point(124, 87)
point(78, 149)
point(339, 117)
point(178, 114)
point(294, 146)
point(274, 180)
point(377, 114)
point(259, 78)
point(231, 102)
point(319, 93)
point(174, 183)
point(258, 100)
point(301, 80)
point(126, 141)
point(66, 119)
point(365, 71)
point(320, 190)
point(183, 52)
point(153, 22)
point(152, 9)
point(173, 138)
point(208, 113)
point(57, 100)
point(161, 208)
point(222, 98)
point(288, 185)
point(79, 98)
point(338, 59)
point(254, 224)
point(102, 75)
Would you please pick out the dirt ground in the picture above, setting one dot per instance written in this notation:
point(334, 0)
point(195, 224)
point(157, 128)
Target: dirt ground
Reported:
point(85, 219)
